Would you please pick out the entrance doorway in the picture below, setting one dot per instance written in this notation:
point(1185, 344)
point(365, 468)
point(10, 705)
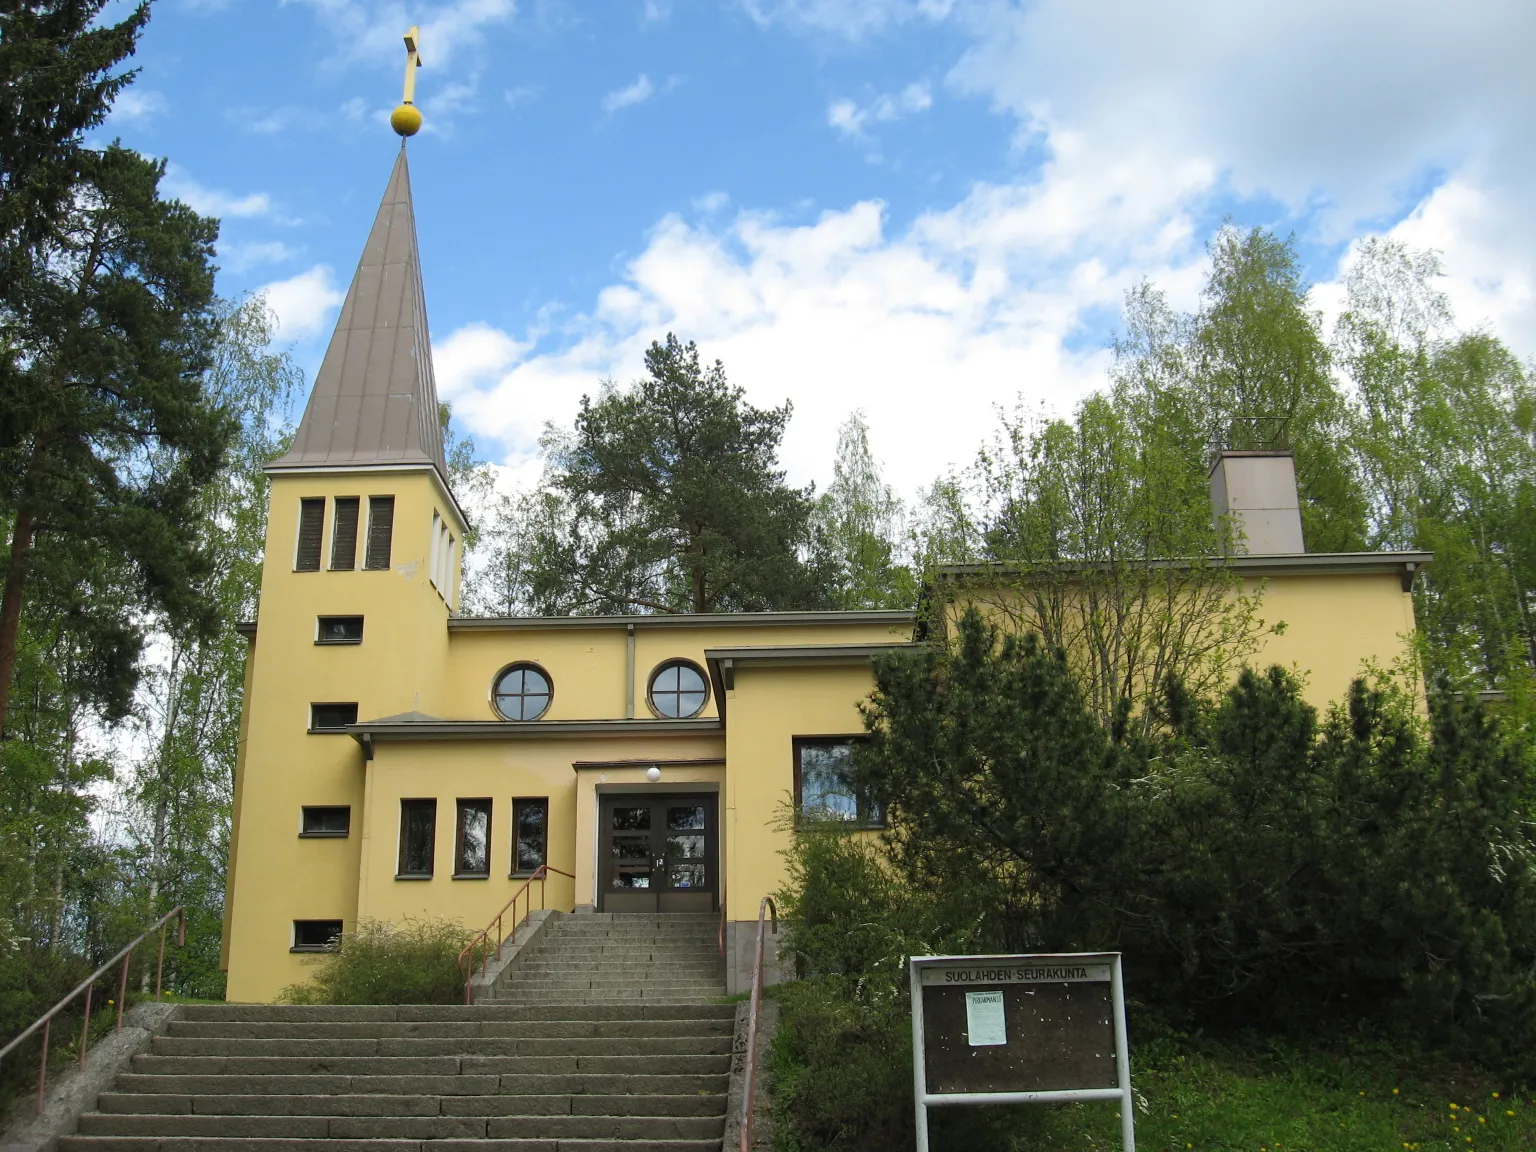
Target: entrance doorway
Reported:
point(658, 852)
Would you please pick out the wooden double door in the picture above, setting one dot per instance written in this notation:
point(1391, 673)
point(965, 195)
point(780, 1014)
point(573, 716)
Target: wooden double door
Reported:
point(658, 852)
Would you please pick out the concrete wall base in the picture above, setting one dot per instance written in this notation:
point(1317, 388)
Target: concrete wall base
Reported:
point(762, 1097)
point(74, 1092)
point(741, 952)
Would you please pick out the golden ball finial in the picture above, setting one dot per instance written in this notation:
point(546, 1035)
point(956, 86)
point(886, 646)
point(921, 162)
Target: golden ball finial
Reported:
point(405, 120)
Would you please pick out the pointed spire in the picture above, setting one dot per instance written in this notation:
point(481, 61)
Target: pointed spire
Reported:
point(375, 398)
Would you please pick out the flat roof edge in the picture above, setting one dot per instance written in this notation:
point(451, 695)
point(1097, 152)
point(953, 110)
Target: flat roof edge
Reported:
point(890, 617)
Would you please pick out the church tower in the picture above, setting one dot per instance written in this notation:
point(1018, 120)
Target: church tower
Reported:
point(361, 573)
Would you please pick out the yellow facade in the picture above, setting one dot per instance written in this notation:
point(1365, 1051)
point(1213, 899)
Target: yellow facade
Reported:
point(422, 680)
point(348, 742)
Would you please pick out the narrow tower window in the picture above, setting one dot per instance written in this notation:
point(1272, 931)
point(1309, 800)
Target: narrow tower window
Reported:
point(311, 525)
point(381, 528)
point(344, 535)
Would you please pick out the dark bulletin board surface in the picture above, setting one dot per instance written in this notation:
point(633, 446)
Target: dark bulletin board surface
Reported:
point(1060, 1037)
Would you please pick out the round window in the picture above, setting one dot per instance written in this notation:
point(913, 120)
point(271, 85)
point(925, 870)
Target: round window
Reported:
point(522, 692)
point(678, 690)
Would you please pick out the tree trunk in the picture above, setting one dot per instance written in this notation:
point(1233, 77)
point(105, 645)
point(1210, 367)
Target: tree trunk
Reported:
point(10, 606)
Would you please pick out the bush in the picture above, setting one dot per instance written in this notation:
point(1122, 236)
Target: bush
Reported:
point(413, 962)
point(842, 1055)
point(1252, 860)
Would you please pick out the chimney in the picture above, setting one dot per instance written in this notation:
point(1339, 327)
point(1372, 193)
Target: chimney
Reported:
point(1256, 492)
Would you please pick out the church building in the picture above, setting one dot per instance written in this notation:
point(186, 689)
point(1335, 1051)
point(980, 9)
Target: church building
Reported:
point(400, 760)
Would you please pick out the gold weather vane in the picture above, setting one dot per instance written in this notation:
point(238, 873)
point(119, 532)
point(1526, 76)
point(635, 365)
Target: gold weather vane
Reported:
point(406, 119)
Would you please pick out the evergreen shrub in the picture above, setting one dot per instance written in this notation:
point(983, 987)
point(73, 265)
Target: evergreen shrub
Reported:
point(1255, 862)
point(413, 962)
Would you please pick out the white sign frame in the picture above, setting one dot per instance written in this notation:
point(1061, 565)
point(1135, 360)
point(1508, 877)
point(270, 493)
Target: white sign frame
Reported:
point(1028, 968)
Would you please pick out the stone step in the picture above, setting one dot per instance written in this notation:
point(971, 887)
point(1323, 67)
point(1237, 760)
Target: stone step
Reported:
point(451, 1046)
point(408, 1127)
point(255, 1144)
point(518, 1083)
point(445, 1029)
point(378, 1104)
point(551, 1011)
point(422, 1065)
point(624, 963)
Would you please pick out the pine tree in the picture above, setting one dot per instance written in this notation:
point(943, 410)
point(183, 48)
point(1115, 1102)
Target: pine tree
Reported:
point(107, 434)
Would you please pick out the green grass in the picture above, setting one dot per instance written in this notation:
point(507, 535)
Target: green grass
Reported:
point(1268, 1097)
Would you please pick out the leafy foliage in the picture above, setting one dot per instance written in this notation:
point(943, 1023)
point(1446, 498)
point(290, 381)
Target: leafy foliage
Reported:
point(671, 500)
point(412, 962)
point(1252, 860)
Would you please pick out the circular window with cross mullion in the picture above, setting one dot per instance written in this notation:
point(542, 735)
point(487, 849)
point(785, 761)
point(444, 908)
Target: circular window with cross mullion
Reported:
point(679, 690)
point(522, 692)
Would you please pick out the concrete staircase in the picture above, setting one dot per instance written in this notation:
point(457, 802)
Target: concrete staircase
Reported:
point(617, 957)
point(605, 1042)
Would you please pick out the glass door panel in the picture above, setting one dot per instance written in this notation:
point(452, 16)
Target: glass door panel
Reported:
point(659, 854)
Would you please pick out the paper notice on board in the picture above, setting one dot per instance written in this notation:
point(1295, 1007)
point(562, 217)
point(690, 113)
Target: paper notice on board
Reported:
point(984, 1023)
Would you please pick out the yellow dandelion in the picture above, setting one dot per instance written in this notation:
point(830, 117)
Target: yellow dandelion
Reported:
point(1394, 1091)
point(1495, 1095)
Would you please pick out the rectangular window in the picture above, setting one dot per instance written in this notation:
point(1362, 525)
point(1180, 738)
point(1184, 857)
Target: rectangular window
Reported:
point(315, 935)
point(326, 822)
point(306, 557)
point(472, 841)
point(344, 535)
point(331, 717)
point(824, 788)
point(418, 839)
point(530, 834)
point(437, 548)
point(381, 529)
point(339, 630)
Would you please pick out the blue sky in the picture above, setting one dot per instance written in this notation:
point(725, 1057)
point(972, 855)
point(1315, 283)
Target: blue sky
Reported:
point(922, 209)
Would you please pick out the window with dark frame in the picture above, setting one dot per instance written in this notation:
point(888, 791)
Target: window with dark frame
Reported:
point(339, 630)
point(678, 690)
point(331, 717)
point(472, 841)
point(344, 534)
point(824, 786)
point(381, 528)
point(530, 834)
point(522, 692)
point(326, 822)
point(315, 935)
point(306, 556)
point(418, 839)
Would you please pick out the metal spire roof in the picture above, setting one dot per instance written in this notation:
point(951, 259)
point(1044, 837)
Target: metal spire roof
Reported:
point(375, 399)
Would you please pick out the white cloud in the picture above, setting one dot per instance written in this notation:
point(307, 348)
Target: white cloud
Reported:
point(852, 19)
point(237, 257)
point(471, 356)
point(637, 93)
point(927, 330)
point(711, 202)
point(138, 104)
point(363, 30)
point(520, 95)
point(850, 119)
point(303, 304)
point(210, 201)
point(655, 11)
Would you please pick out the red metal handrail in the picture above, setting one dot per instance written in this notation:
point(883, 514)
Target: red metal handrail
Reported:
point(749, 1072)
point(45, 1021)
point(466, 959)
